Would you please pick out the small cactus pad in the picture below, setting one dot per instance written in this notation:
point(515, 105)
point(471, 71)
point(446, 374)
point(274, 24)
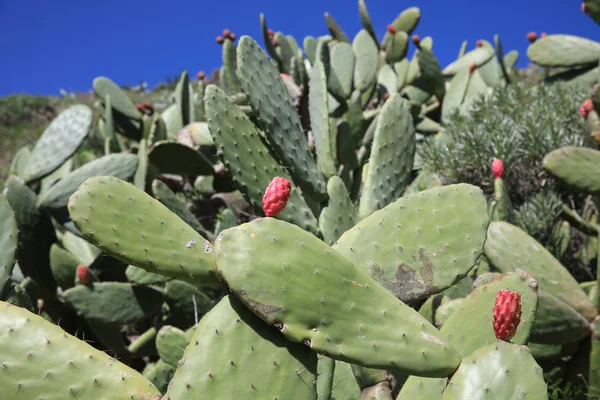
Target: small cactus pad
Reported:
point(104, 87)
point(171, 343)
point(63, 265)
point(556, 322)
point(133, 227)
point(59, 141)
point(176, 158)
point(160, 374)
point(471, 325)
point(269, 96)
point(366, 56)
point(186, 303)
point(8, 241)
point(319, 120)
point(345, 385)
point(114, 302)
point(299, 284)
point(41, 361)
point(578, 167)
point(340, 214)
point(508, 247)
point(421, 243)
point(325, 371)
point(501, 371)
point(417, 388)
point(564, 51)
point(249, 161)
point(479, 56)
point(392, 157)
point(235, 355)
point(122, 166)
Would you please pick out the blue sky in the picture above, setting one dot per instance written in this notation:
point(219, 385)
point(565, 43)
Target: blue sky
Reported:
point(48, 45)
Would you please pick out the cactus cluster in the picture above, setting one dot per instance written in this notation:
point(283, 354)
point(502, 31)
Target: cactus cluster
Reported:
point(278, 235)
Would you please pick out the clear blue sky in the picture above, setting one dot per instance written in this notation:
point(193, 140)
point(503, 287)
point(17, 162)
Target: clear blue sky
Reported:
point(48, 45)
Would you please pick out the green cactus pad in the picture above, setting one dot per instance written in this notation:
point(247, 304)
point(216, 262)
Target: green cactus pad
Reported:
point(340, 214)
point(564, 51)
point(269, 96)
point(471, 326)
point(247, 158)
point(104, 87)
point(19, 162)
point(342, 70)
point(510, 59)
point(421, 243)
point(165, 195)
point(184, 98)
point(122, 166)
point(160, 374)
point(381, 391)
point(417, 388)
point(176, 158)
point(8, 241)
point(145, 344)
point(64, 266)
point(365, 19)
point(267, 39)
point(556, 322)
point(501, 371)
point(59, 141)
point(114, 302)
point(392, 157)
point(305, 314)
point(41, 360)
point(396, 47)
point(508, 247)
point(406, 21)
point(387, 79)
point(579, 167)
point(225, 220)
point(325, 371)
point(479, 56)
point(345, 386)
point(366, 56)
point(455, 94)
point(503, 210)
point(429, 77)
point(446, 309)
point(335, 29)
point(142, 277)
point(133, 227)
point(319, 120)
point(369, 377)
point(171, 343)
point(594, 371)
point(235, 355)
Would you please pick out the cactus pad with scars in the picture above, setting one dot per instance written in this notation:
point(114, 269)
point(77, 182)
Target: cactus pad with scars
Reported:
point(114, 302)
point(269, 96)
point(247, 158)
point(470, 327)
point(59, 141)
point(564, 51)
point(502, 371)
point(131, 226)
point(421, 243)
point(392, 157)
point(340, 214)
point(578, 167)
point(235, 355)
point(508, 247)
point(120, 165)
point(41, 360)
point(176, 158)
point(8, 241)
point(319, 120)
point(284, 291)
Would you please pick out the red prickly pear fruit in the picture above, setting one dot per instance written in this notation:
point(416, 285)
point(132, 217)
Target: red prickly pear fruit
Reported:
point(586, 108)
point(472, 66)
point(584, 8)
point(148, 106)
point(391, 29)
point(274, 42)
point(543, 35)
point(271, 33)
point(479, 43)
point(226, 32)
point(497, 168)
point(507, 314)
point(201, 75)
point(140, 107)
point(416, 40)
point(386, 96)
point(276, 196)
point(232, 36)
point(220, 40)
point(532, 37)
point(83, 274)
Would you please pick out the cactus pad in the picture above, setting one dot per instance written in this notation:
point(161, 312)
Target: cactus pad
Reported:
point(508, 247)
point(133, 227)
point(176, 158)
point(40, 360)
point(564, 51)
point(421, 243)
point(8, 241)
point(235, 355)
point(171, 343)
point(578, 167)
point(59, 141)
point(340, 214)
point(277, 269)
point(319, 120)
point(104, 87)
point(366, 56)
